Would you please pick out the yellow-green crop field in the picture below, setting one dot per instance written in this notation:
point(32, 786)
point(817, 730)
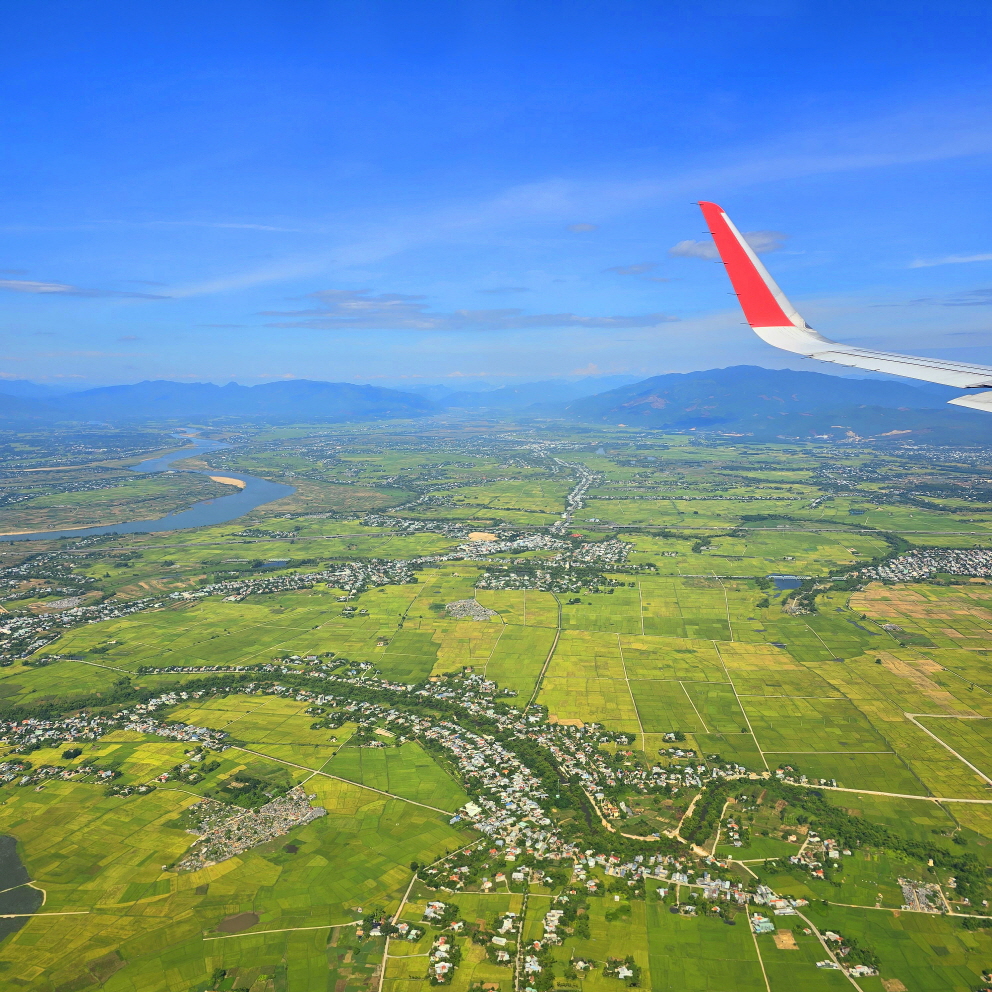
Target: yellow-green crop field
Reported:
point(876, 697)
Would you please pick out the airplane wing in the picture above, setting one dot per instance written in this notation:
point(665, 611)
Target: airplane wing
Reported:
point(774, 319)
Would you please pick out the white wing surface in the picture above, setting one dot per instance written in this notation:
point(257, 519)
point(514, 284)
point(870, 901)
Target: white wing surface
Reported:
point(774, 319)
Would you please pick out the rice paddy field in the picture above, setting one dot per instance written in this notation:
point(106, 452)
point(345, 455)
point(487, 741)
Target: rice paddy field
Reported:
point(879, 695)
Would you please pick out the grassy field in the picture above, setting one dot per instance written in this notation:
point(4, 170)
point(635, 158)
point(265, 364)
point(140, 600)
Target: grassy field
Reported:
point(109, 876)
point(887, 690)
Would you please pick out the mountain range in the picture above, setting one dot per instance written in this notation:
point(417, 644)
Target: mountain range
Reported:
point(782, 403)
point(743, 399)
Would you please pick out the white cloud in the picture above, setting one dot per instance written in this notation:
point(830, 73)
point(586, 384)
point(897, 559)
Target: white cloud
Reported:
point(926, 263)
point(342, 309)
point(63, 289)
point(694, 249)
point(761, 241)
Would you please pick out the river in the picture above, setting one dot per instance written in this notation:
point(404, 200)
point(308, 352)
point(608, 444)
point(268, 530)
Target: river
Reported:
point(256, 492)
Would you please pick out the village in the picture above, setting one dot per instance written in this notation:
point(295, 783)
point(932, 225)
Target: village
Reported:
point(922, 563)
point(224, 831)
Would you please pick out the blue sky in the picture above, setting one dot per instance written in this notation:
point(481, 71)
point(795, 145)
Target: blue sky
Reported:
point(482, 191)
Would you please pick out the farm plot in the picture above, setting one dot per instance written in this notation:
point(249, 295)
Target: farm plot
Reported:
point(526, 607)
point(689, 954)
point(756, 659)
point(718, 708)
point(410, 656)
point(518, 657)
point(588, 655)
point(740, 748)
point(972, 739)
point(785, 683)
point(791, 967)
point(619, 611)
point(932, 764)
point(465, 643)
point(814, 725)
point(110, 872)
point(917, 819)
point(652, 657)
point(591, 700)
point(665, 707)
point(406, 771)
point(878, 772)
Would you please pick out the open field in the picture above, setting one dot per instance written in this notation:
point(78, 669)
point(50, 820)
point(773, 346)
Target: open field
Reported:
point(682, 643)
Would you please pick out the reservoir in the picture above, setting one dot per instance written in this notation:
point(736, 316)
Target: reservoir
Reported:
point(253, 493)
point(786, 581)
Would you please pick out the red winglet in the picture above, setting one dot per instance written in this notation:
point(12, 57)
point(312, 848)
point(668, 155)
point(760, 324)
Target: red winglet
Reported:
point(747, 274)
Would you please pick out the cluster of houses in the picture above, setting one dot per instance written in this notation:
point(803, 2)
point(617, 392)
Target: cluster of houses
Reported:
point(791, 777)
point(854, 970)
point(22, 634)
point(353, 577)
point(282, 535)
point(922, 897)
point(575, 500)
point(815, 851)
point(38, 591)
point(224, 831)
point(33, 733)
point(576, 751)
point(22, 773)
point(920, 563)
point(405, 525)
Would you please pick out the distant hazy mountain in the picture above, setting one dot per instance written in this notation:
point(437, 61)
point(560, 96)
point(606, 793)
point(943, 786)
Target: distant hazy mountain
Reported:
point(765, 403)
point(293, 399)
point(26, 389)
point(525, 394)
point(777, 402)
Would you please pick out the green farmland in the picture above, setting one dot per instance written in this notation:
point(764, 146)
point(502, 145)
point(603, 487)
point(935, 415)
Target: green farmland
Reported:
point(250, 755)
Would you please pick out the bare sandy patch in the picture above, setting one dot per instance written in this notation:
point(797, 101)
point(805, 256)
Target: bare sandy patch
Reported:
point(785, 940)
point(238, 922)
point(552, 718)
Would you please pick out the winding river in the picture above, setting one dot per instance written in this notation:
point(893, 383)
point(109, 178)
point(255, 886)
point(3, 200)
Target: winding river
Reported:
point(256, 492)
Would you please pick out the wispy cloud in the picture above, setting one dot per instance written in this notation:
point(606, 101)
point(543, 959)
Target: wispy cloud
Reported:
point(232, 225)
point(968, 298)
point(761, 241)
point(281, 271)
point(927, 263)
point(64, 289)
point(349, 310)
point(924, 133)
point(632, 270)
point(972, 298)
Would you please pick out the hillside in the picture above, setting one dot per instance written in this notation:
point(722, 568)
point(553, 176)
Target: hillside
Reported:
point(781, 403)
